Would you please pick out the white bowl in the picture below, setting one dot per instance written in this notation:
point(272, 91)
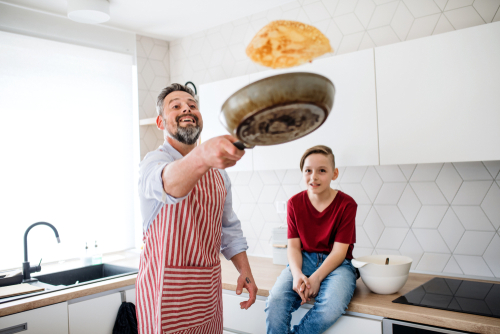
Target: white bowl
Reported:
point(381, 278)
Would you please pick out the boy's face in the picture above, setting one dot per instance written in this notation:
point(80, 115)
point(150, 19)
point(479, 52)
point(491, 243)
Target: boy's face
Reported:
point(318, 172)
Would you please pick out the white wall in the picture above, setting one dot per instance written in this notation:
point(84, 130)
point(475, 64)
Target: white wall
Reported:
point(219, 53)
point(153, 74)
point(54, 27)
point(445, 216)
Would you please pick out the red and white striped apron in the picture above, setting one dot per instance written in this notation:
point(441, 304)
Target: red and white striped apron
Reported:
point(178, 288)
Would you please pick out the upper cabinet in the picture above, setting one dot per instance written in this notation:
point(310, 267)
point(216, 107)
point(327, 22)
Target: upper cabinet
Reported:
point(212, 97)
point(351, 128)
point(439, 97)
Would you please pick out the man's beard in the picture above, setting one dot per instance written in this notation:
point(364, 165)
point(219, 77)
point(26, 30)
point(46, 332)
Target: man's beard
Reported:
point(185, 135)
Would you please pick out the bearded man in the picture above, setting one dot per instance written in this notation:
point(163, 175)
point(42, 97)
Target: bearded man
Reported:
point(188, 219)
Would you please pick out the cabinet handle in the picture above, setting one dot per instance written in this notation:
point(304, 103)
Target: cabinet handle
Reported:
point(227, 330)
point(15, 329)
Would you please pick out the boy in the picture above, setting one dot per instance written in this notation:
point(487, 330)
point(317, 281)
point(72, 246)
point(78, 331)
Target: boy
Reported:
point(321, 234)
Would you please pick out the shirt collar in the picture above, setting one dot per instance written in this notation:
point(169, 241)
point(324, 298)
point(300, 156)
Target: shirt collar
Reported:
point(171, 150)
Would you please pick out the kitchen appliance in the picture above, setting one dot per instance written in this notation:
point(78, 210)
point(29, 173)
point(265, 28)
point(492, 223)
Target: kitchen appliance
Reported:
point(280, 244)
point(482, 298)
point(383, 274)
point(391, 326)
point(278, 109)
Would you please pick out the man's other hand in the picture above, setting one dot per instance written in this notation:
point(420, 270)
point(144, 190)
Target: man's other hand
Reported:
point(246, 281)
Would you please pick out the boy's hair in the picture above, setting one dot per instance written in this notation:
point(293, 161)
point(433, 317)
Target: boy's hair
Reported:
point(321, 149)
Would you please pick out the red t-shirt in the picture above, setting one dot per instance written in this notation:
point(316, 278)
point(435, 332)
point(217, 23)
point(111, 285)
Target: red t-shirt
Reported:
point(319, 230)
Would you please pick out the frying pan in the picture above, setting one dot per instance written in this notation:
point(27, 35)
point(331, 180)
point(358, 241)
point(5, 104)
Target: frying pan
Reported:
point(278, 109)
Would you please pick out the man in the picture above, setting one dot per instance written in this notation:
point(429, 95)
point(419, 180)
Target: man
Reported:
point(185, 197)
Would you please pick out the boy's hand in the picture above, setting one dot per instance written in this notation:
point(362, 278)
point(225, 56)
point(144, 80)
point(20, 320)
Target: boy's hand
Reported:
point(300, 284)
point(315, 284)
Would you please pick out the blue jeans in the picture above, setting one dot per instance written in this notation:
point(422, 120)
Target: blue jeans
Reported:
point(334, 295)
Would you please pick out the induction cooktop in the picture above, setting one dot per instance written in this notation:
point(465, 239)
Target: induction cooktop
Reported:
point(480, 298)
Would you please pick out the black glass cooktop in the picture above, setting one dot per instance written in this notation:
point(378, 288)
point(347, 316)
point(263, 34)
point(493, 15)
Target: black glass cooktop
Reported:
point(456, 295)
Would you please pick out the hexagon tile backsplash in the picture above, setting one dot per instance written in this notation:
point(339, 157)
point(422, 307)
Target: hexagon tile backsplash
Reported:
point(350, 25)
point(153, 74)
point(446, 217)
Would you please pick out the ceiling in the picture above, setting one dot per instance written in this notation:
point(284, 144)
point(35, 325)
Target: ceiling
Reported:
point(165, 19)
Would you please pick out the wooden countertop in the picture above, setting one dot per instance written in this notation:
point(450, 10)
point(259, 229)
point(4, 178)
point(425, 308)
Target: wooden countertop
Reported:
point(265, 274)
point(364, 301)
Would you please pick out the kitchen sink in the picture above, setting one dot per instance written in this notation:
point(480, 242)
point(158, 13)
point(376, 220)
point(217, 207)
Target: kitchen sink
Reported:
point(74, 277)
point(86, 274)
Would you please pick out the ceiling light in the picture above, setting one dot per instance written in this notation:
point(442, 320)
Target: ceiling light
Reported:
point(88, 11)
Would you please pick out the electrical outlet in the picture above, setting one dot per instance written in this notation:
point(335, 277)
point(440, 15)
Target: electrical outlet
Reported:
point(280, 206)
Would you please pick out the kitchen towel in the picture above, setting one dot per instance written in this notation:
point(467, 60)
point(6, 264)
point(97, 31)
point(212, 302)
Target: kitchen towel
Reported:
point(126, 321)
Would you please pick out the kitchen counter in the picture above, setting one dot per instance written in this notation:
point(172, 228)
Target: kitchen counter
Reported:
point(364, 301)
point(265, 274)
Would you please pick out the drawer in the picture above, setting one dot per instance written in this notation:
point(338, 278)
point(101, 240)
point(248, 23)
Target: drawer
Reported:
point(51, 319)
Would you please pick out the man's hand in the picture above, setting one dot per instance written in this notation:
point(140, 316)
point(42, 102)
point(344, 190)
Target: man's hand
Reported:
point(246, 281)
point(219, 152)
point(300, 284)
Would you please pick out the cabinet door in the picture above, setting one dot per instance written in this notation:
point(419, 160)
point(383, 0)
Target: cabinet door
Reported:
point(345, 324)
point(438, 97)
point(130, 296)
point(95, 315)
point(212, 97)
point(51, 319)
point(237, 320)
point(351, 128)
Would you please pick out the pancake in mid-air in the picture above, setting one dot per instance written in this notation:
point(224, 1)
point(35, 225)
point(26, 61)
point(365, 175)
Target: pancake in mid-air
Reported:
point(282, 44)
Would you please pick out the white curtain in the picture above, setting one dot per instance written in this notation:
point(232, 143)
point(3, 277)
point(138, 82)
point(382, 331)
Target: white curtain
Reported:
point(66, 149)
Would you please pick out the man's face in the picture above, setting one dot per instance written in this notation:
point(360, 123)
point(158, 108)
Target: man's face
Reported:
point(181, 117)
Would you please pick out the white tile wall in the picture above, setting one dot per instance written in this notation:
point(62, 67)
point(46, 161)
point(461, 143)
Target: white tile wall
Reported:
point(405, 213)
point(350, 25)
point(153, 74)
point(444, 216)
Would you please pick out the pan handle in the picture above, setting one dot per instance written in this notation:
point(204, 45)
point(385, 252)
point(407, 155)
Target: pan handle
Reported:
point(240, 145)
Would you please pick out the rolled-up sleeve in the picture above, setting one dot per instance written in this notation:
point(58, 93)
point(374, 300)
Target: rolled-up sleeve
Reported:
point(233, 241)
point(150, 178)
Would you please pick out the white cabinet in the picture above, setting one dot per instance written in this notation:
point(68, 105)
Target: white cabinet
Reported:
point(350, 130)
point(51, 319)
point(96, 315)
point(345, 324)
point(212, 97)
point(253, 320)
point(130, 296)
point(438, 97)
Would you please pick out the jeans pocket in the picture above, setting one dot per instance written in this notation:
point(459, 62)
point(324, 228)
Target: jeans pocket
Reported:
point(191, 297)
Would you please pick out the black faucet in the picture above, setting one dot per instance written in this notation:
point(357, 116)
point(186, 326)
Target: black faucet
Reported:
point(27, 269)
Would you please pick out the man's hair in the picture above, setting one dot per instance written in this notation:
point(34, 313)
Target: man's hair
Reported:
point(169, 89)
point(321, 149)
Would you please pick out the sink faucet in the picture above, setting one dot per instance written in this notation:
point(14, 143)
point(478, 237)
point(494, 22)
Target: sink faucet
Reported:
point(27, 269)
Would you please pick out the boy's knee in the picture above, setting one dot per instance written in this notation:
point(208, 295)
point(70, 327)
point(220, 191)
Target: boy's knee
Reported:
point(330, 312)
point(276, 299)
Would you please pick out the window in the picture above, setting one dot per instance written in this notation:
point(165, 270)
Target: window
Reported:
point(67, 148)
